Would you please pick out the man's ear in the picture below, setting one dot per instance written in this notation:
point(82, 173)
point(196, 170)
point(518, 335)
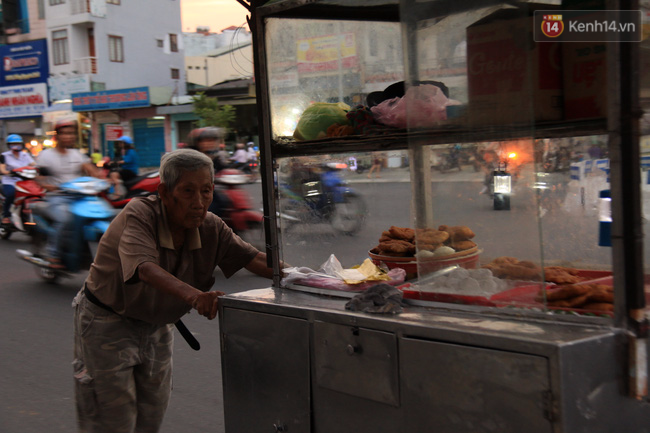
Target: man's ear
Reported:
point(162, 191)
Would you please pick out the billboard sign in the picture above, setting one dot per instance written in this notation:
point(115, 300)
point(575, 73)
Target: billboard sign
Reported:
point(114, 132)
point(23, 101)
point(327, 53)
point(24, 63)
point(111, 99)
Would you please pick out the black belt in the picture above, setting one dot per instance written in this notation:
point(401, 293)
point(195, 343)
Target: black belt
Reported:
point(185, 333)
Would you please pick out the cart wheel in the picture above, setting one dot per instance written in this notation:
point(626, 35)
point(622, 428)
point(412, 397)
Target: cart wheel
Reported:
point(349, 215)
point(49, 275)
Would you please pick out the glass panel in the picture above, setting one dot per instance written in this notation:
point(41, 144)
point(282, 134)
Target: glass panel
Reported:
point(503, 215)
point(644, 78)
point(334, 204)
point(327, 62)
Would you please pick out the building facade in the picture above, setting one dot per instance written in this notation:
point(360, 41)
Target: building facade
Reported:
point(116, 61)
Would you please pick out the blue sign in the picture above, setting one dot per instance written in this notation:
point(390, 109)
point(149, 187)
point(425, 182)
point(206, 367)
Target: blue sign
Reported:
point(111, 99)
point(24, 63)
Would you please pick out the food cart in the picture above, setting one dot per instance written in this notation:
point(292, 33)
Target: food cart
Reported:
point(523, 320)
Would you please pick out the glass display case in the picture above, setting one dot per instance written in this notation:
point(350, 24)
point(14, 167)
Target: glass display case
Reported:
point(490, 136)
point(493, 179)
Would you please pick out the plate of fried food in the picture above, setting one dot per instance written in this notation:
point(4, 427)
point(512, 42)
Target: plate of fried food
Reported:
point(404, 247)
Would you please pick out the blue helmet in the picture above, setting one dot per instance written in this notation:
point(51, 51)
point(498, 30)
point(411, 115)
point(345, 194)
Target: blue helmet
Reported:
point(126, 139)
point(15, 139)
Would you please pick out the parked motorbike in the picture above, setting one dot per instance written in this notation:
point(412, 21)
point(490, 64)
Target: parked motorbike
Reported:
point(233, 205)
point(559, 160)
point(92, 215)
point(28, 191)
point(320, 195)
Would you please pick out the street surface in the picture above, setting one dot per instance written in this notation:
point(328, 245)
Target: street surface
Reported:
point(36, 327)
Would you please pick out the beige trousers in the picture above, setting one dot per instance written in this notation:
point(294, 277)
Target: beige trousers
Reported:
point(122, 371)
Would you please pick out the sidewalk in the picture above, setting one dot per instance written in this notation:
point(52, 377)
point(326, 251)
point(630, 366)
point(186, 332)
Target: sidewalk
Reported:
point(402, 174)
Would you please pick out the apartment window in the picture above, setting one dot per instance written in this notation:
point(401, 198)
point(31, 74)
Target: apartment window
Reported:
point(113, 2)
point(115, 49)
point(56, 2)
point(176, 74)
point(173, 43)
point(160, 43)
point(41, 9)
point(60, 47)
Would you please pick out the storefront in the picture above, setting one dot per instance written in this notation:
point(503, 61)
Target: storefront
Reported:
point(130, 111)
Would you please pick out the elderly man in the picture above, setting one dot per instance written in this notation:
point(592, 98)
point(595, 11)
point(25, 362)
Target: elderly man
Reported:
point(153, 265)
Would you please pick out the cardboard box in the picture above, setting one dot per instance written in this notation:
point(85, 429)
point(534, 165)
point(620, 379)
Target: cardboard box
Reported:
point(585, 71)
point(512, 78)
point(585, 80)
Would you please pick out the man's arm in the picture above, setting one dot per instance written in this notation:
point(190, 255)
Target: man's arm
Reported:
point(204, 302)
point(258, 266)
point(91, 169)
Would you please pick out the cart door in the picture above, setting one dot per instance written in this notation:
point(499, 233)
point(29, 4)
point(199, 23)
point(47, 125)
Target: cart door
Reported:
point(265, 363)
point(449, 388)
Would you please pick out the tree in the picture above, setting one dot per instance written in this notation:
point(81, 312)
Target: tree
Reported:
point(211, 113)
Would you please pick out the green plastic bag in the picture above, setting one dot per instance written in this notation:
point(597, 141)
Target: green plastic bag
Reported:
point(319, 116)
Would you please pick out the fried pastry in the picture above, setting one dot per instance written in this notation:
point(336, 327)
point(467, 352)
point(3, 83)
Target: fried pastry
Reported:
point(561, 275)
point(598, 306)
point(397, 246)
point(462, 245)
point(566, 292)
point(403, 233)
point(431, 236)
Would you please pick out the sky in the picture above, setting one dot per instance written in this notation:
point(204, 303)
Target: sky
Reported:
point(216, 14)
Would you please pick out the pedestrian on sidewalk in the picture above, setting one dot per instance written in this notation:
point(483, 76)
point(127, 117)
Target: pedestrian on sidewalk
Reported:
point(377, 162)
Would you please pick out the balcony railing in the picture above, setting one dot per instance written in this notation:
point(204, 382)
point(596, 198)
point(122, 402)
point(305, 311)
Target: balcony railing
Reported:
point(80, 6)
point(94, 8)
point(86, 65)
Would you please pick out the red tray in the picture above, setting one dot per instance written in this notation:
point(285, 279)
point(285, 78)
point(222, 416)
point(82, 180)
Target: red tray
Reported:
point(445, 297)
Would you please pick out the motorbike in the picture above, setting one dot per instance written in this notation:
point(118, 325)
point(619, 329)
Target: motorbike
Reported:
point(499, 180)
point(449, 161)
point(28, 191)
point(140, 186)
point(233, 205)
point(320, 195)
point(92, 214)
point(250, 168)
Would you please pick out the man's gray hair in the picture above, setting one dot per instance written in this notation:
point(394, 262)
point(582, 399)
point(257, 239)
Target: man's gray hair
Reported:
point(174, 164)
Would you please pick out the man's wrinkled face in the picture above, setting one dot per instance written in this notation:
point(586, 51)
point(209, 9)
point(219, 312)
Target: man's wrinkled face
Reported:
point(187, 204)
point(66, 137)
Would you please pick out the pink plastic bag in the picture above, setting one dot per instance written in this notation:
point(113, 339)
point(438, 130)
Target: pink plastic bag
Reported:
point(422, 106)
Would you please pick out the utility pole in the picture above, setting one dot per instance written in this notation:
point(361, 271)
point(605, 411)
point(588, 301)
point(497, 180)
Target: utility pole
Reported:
point(207, 82)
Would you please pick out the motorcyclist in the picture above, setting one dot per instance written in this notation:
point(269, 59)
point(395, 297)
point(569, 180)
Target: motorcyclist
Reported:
point(210, 141)
point(15, 157)
point(240, 157)
point(127, 166)
point(490, 163)
point(57, 165)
